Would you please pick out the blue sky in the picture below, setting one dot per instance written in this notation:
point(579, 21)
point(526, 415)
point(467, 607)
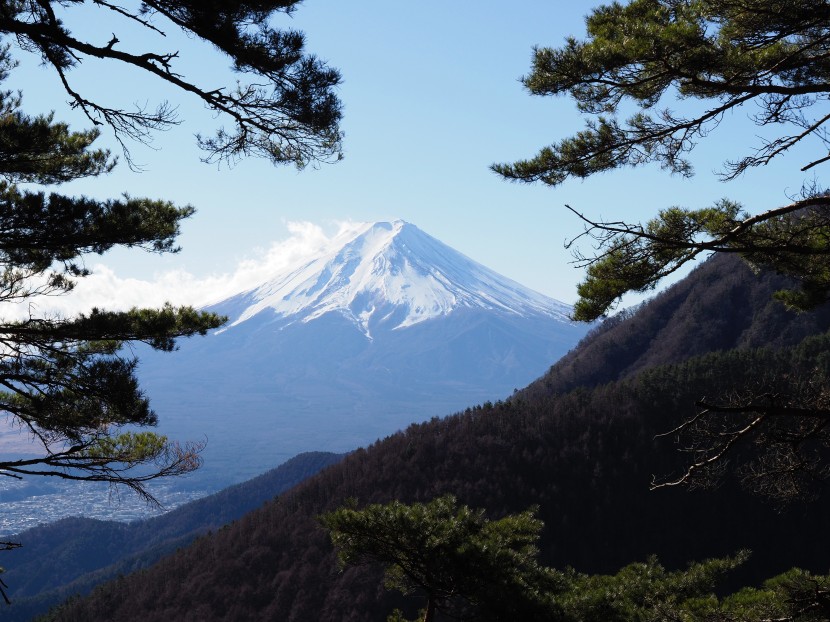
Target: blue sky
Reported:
point(431, 98)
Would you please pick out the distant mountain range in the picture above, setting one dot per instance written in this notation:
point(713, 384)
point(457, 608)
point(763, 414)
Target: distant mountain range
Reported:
point(385, 327)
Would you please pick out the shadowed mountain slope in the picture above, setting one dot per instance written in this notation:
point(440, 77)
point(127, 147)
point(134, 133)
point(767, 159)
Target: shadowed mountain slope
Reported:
point(722, 305)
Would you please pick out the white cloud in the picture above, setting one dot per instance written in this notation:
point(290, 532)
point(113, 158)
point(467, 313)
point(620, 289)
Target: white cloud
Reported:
point(105, 289)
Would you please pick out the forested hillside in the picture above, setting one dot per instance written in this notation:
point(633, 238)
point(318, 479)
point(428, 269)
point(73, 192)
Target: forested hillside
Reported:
point(580, 444)
point(73, 555)
point(721, 306)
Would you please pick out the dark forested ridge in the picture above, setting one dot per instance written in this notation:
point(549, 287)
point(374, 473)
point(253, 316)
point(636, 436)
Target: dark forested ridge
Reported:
point(585, 456)
point(723, 305)
point(72, 555)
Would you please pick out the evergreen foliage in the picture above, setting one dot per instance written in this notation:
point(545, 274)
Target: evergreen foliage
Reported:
point(646, 592)
point(453, 554)
point(283, 106)
point(65, 381)
point(725, 55)
point(710, 58)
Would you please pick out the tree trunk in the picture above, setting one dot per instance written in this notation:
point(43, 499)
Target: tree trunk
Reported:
point(430, 612)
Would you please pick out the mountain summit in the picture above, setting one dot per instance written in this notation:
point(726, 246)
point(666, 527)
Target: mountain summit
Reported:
point(390, 275)
point(384, 327)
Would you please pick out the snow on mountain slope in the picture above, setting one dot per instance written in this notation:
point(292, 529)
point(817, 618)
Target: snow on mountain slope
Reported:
point(390, 274)
point(385, 327)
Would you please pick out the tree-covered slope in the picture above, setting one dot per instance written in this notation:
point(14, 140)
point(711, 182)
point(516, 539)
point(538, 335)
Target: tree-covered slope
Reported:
point(73, 555)
point(586, 457)
point(722, 305)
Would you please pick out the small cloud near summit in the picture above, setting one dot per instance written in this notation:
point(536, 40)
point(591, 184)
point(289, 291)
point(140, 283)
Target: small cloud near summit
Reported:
point(104, 288)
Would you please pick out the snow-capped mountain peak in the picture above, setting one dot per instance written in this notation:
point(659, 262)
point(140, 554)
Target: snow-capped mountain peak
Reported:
point(391, 274)
point(384, 327)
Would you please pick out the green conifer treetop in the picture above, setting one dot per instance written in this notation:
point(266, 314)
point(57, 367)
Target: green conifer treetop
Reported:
point(63, 379)
point(454, 555)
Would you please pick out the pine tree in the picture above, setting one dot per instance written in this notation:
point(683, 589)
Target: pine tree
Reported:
point(66, 381)
point(723, 54)
point(460, 560)
point(283, 106)
point(473, 568)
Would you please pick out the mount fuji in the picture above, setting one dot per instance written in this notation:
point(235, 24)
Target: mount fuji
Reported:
point(389, 276)
point(385, 327)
